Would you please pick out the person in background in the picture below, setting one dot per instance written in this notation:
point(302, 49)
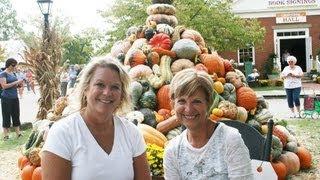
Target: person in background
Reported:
point(292, 75)
point(20, 75)
point(206, 149)
point(64, 79)
point(29, 77)
point(10, 101)
point(284, 58)
point(96, 142)
point(254, 76)
point(72, 76)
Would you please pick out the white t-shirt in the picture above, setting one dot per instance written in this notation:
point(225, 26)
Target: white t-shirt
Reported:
point(71, 139)
point(291, 82)
point(225, 156)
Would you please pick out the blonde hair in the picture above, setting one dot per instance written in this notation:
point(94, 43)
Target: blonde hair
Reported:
point(291, 58)
point(87, 74)
point(188, 81)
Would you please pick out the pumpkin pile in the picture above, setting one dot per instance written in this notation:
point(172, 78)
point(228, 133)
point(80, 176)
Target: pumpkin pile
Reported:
point(30, 162)
point(153, 53)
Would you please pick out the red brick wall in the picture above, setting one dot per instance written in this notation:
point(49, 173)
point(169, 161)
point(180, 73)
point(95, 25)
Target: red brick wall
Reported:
point(262, 53)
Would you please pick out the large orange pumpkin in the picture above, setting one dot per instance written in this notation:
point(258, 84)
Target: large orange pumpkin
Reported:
point(21, 159)
point(280, 169)
point(214, 63)
point(24, 162)
point(304, 157)
point(291, 161)
point(27, 171)
point(163, 97)
point(246, 98)
point(161, 40)
point(37, 173)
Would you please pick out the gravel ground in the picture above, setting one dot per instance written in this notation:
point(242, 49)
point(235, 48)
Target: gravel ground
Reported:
point(8, 165)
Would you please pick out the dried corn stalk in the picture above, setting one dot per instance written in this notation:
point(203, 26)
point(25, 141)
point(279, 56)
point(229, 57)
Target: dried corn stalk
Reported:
point(44, 65)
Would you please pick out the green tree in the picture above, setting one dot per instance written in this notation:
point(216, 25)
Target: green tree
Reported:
point(9, 25)
point(221, 29)
point(78, 50)
point(2, 54)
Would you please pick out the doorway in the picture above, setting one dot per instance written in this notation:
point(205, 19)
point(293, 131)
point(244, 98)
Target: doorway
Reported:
point(297, 48)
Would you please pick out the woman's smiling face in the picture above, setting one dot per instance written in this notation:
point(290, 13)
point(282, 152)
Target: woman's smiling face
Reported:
point(104, 91)
point(192, 110)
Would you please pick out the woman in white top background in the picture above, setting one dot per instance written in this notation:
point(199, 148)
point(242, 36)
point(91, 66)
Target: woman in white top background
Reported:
point(292, 75)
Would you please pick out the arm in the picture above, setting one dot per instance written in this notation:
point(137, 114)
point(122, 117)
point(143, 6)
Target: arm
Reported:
point(141, 167)
point(6, 85)
point(238, 158)
point(55, 167)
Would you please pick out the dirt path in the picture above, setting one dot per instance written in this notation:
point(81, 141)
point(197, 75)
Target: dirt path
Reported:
point(9, 165)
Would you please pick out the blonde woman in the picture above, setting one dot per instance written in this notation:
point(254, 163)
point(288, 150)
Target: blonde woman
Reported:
point(97, 143)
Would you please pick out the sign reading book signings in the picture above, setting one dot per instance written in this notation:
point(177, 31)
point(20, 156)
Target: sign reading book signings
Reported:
point(288, 3)
point(295, 17)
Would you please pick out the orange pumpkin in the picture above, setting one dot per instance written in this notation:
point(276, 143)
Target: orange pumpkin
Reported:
point(201, 67)
point(135, 58)
point(247, 98)
point(24, 162)
point(282, 136)
point(227, 66)
point(214, 118)
point(20, 159)
point(27, 171)
point(153, 58)
point(37, 173)
point(304, 157)
point(214, 63)
point(166, 113)
point(291, 161)
point(280, 169)
point(163, 98)
point(162, 52)
point(161, 40)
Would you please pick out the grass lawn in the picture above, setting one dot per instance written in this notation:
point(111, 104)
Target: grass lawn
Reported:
point(14, 142)
point(269, 88)
point(307, 133)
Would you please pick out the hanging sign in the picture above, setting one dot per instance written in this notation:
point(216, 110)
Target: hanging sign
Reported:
point(288, 3)
point(295, 17)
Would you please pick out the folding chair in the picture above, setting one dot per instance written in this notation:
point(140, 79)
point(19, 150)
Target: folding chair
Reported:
point(259, 146)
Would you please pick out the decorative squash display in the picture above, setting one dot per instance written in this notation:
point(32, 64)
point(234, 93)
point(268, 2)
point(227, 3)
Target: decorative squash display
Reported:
point(165, 28)
point(163, 19)
point(234, 78)
point(218, 87)
point(227, 66)
point(161, 40)
point(195, 36)
point(120, 47)
point(151, 135)
point(181, 64)
point(148, 99)
point(276, 148)
point(229, 93)
point(217, 112)
point(242, 114)
point(161, 9)
point(153, 58)
point(186, 49)
point(246, 98)
point(163, 52)
point(282, 136)
point(214, 64)
point(229, 109)
point(135, 58)
point(304, 157)
point(165, 69)
point(166, 113)
point(201, 67)
point(140, 72)
point(155, 81)
point(163, 98)
point(291, 161)
point(280, 169)
point(149, 117)
point(168, 124)
point(136, 91)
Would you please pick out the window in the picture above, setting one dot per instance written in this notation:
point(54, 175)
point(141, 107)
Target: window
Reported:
point(246, 55)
